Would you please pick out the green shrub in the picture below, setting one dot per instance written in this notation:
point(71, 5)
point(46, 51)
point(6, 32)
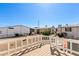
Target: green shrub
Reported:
point(46, 33)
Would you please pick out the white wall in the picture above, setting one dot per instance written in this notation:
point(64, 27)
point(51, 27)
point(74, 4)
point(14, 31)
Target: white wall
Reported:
point(11, 32)
point(3, 32)
point(75, 31)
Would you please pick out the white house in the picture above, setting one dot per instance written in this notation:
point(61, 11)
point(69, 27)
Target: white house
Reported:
point(71, 30)
point(13, 30)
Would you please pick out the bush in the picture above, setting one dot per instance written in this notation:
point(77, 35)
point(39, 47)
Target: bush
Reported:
point(46, 33)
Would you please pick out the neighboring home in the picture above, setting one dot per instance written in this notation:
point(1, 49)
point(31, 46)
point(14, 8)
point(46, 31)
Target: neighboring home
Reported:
point(41, 30)
point(71, 30)
point(14, 31)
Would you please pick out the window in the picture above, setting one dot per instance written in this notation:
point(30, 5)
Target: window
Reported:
point(68, 29)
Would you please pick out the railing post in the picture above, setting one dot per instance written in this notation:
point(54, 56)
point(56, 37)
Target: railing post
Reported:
point(22, 44)
point(71, 46)
point(56, 42)
point(63, 45)
point(8, 47)
point(15, 45)
point(50, 40)
point(41, 39)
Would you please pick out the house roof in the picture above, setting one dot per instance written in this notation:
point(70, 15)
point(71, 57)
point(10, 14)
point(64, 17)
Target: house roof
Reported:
point(15, 26)
point(74, 25)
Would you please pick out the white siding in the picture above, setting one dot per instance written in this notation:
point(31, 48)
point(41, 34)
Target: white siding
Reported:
point(11, 32)
point(75, 31)
point(3, 32)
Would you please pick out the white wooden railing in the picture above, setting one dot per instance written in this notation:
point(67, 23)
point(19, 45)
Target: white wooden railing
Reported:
point(14, 46)
point(72, 45)
point(10, 46)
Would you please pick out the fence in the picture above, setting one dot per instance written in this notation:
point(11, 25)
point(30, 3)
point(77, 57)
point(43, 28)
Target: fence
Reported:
point(46, 40)
point(66, 46)
point(11, 46)
point(19, 45)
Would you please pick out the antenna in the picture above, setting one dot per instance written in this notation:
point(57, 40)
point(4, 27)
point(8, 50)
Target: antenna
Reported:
point(38, 23)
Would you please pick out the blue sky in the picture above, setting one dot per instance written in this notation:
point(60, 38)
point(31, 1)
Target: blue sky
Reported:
point(29, 13)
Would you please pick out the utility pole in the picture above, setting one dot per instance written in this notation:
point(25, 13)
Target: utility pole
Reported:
point(38, 23)
point(52, 29)
point(7, 31)
point(38, 30)
point(60, 28)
